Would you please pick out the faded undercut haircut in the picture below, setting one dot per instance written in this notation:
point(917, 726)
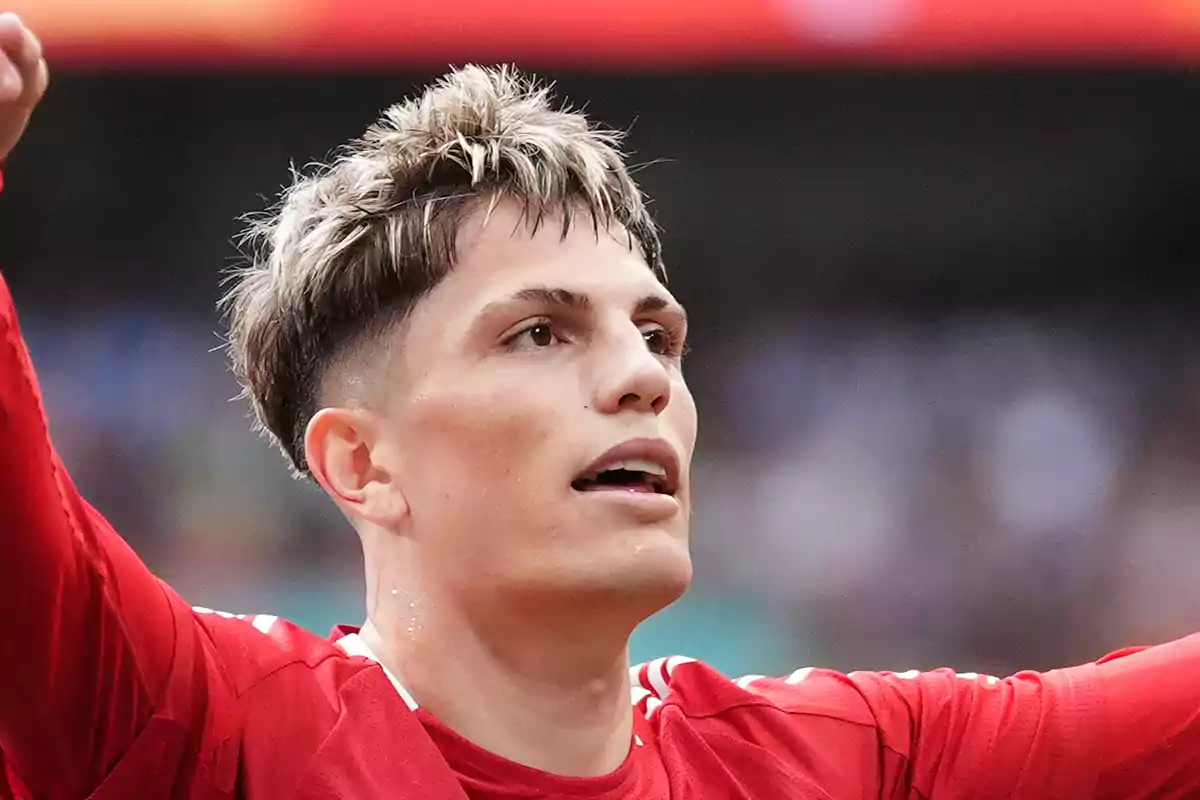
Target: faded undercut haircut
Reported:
point(353, 245)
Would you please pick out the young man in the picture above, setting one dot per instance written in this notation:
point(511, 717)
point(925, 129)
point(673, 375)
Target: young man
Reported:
point(460, 330)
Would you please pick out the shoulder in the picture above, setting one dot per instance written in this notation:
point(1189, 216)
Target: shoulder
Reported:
point(293, 690)
point(811, 728)
point(254, 649)
point(698, 690)
point(885, 706)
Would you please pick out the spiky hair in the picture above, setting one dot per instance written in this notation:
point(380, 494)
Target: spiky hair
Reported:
point(354, 244)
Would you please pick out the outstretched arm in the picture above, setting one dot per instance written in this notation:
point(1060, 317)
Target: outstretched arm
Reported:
point(1122, 728)
point(88, 636)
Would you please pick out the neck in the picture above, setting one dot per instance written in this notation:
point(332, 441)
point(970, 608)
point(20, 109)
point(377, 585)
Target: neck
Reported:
point(553, 697)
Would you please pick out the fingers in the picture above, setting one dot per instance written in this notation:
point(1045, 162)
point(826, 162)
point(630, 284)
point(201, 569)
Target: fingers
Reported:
point(11, 84)
point(11, 30)
point(23, 72)
point(17, 42)
point(12, 36)
point(41, 80)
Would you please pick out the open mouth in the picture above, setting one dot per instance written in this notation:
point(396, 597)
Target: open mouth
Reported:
point(631, 475)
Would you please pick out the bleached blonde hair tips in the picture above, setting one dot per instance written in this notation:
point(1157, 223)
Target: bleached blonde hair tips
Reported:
point(354, 244)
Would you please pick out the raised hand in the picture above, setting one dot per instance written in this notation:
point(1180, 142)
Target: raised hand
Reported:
point(23, 79)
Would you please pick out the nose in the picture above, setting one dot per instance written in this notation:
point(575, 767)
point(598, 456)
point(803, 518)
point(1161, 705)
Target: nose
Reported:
point(633, 378)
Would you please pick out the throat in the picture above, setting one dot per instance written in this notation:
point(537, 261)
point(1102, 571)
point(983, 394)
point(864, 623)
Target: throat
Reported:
point(576, 722)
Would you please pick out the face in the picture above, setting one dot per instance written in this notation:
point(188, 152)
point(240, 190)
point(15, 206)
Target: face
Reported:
point(538, 367)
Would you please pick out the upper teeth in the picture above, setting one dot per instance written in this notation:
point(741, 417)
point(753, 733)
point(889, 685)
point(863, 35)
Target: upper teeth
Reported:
point(639, 465)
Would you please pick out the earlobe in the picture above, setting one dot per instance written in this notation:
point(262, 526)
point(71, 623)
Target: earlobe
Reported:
point(348, 459)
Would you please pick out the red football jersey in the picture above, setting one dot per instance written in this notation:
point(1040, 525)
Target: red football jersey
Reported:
point(113, 688)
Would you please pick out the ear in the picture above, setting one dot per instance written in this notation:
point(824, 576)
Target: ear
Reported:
point(351, 460)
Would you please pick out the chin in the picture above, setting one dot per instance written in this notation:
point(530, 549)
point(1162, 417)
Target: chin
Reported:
point(652, 572)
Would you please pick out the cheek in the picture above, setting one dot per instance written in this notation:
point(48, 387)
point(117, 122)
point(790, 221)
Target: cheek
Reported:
point(682, 416)
point(481, 451)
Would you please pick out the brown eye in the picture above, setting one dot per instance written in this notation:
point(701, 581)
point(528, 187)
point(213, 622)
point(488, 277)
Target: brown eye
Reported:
point(541, 335)
point(536, 335)
point(657, 341)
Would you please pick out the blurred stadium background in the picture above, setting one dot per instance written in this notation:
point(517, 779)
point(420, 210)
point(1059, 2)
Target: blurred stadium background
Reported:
point(941, 255)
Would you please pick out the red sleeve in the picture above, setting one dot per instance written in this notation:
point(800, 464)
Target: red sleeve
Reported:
point(1125, 727)
point(89, 638)
point(1150, 737)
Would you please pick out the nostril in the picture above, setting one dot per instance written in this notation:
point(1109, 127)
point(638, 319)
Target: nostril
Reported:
point(644, 402)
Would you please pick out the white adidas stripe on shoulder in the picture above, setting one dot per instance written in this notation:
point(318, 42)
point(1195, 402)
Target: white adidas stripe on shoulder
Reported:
point(799, 675)
point(261, 622)
point(657, 676)
point(675, 661)
point(353, 645)
point(745, 681)
point(657, 679)
point(649, 691)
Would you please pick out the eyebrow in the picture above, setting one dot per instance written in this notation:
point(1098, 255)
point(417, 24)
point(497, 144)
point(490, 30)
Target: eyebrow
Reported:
point(656, 302)
point(576, 301)
point(544, 295)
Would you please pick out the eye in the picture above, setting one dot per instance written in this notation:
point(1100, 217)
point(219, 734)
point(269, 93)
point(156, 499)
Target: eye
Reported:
point(540, 335)
point(661, 342)
point(536, 336)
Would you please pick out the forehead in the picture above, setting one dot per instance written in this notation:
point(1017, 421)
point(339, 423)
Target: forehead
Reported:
point(500, 253)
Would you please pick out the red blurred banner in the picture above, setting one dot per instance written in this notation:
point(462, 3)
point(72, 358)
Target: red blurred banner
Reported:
point(618, 34)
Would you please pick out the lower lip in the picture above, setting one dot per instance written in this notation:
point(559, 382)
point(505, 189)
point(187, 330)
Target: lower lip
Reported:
point(651, 505)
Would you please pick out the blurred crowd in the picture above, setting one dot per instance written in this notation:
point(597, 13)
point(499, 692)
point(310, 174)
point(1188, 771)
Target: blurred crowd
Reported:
point(992, 491)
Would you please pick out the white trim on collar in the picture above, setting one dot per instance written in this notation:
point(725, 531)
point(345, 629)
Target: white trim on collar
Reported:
point(353, 645)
